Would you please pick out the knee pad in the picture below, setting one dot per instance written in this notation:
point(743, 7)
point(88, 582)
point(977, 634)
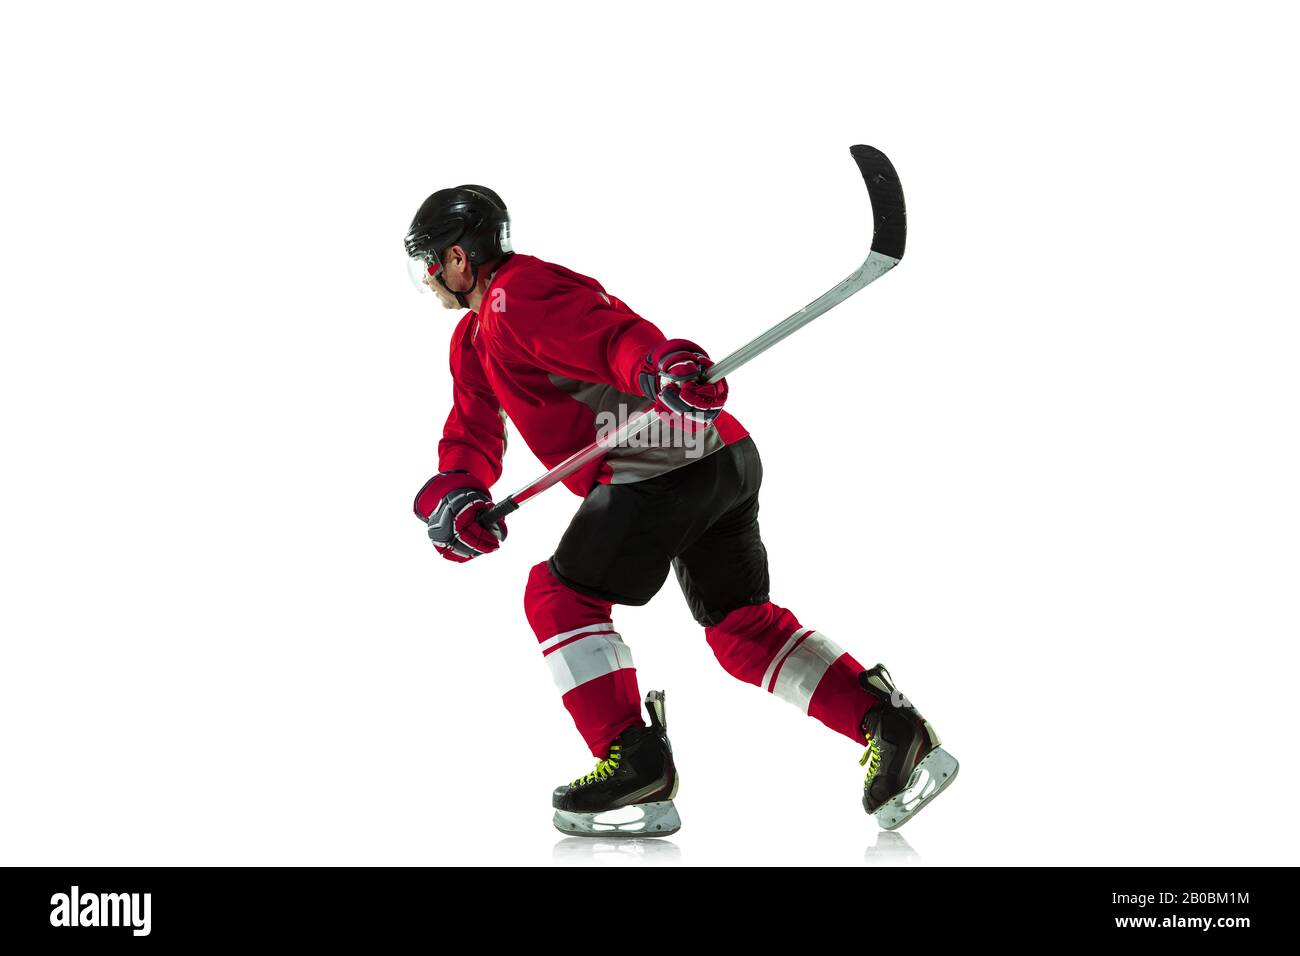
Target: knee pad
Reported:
point(552, 606)
point(750, 638)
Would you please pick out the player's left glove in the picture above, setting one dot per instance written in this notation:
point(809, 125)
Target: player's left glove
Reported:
point(451, 502)
point(670, 376)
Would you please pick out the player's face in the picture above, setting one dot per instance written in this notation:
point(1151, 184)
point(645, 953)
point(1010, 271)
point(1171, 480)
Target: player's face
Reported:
point(446, 298)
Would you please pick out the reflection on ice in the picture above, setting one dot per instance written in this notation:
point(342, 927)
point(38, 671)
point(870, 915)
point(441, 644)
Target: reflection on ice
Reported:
point(616, 851)
point(891, 850)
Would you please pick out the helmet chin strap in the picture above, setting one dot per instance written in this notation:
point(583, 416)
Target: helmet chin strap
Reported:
point(460, 296)
point(461, 299)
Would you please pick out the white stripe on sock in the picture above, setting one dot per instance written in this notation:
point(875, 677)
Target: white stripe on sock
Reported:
point(588, 658)
point(804, 668)
point(550, 642)
point(781, 655)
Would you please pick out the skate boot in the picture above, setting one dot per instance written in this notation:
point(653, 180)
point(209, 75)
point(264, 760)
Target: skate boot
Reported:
point(906, 767)
point(630, 793)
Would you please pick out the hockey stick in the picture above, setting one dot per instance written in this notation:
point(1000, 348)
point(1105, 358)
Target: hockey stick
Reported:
point(889, 235)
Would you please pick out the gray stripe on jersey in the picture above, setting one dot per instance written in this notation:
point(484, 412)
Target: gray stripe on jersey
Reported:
point(657, 450)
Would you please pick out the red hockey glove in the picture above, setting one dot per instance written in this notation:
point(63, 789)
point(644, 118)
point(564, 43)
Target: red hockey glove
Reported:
point(451, 502)
point(669, 375)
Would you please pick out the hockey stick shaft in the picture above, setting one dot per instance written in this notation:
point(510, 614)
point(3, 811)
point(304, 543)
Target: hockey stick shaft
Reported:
point(871, 270)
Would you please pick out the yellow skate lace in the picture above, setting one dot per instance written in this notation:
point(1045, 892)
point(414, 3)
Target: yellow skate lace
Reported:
point(604, 768)
point(872, 757)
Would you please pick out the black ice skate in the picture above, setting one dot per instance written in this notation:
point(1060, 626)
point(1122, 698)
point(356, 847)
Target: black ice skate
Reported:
point(906, 767)
point(630, 793)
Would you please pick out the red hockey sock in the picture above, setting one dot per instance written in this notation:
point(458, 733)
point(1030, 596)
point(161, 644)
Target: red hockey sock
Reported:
point(589, 662)
point(763, 644)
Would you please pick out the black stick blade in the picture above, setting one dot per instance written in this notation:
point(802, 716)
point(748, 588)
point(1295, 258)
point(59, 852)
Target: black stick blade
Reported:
point(886, 192)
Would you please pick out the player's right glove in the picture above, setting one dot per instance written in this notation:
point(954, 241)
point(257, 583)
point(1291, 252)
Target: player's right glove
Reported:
point(670, 376)
point(450, 502)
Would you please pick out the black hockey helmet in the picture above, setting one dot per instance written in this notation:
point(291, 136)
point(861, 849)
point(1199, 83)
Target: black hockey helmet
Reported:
point(472, 217)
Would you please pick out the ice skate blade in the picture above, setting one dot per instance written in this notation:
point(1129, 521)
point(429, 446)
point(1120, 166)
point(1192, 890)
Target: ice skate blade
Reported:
point(930, 778)
point(656, 819)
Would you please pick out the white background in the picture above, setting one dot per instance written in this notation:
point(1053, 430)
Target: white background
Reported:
point(1045, 470)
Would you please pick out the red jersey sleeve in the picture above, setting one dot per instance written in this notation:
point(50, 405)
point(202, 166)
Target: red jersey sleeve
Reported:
point(474, 437)
point(577, 330)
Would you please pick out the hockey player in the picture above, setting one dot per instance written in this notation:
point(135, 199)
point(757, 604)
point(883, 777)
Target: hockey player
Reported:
point(554, 352)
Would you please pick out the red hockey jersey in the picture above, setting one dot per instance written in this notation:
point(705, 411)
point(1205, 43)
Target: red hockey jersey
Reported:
point(558, 356)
